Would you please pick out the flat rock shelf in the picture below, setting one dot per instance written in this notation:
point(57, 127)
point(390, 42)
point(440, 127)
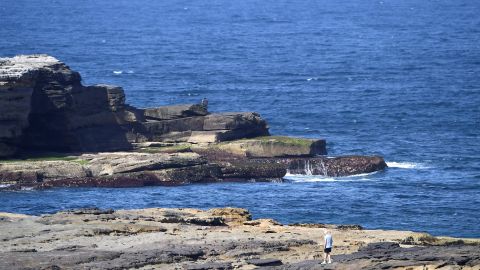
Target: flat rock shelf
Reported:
point(220, 238)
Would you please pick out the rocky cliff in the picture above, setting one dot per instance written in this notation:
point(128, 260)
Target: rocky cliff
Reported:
point(44, 108)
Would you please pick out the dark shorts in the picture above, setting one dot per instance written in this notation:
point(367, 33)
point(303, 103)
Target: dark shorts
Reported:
point(327, 250)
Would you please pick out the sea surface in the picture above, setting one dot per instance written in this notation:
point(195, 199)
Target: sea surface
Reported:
point(394, 78)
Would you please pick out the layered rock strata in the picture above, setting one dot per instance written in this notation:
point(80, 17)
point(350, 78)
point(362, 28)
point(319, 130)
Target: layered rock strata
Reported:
point(45, 108)
point(225, 238)
point(131, 169)
point(58, 113)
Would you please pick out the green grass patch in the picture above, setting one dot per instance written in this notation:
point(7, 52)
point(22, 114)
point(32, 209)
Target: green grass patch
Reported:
point(46, 158)
point(81, 161)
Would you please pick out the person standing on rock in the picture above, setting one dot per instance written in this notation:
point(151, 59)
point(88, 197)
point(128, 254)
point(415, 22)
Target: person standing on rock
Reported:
point(328, 245)
point(204, 103)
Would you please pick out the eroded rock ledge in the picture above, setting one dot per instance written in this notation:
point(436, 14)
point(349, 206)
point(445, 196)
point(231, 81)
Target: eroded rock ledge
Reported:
point(44, 108)
point(225, 238)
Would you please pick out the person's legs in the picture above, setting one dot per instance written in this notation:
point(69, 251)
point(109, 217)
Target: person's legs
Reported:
point(329, 258)
point(324, 257)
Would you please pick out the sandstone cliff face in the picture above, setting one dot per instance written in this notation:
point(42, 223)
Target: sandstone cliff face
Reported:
point(17, 77)
point(45, 107)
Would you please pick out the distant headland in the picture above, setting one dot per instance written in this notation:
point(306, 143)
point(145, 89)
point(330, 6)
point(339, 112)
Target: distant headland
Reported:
point(57, 132)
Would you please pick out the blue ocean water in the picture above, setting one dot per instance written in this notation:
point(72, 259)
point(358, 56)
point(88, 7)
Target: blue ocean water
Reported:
point(394, 78)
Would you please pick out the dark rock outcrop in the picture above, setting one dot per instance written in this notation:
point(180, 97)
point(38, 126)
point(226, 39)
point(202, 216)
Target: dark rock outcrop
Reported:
point(58, 113)
point(333, 167)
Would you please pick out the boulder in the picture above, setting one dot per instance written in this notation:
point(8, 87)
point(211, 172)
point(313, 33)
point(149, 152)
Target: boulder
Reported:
point(232, 215)
point(175, 112)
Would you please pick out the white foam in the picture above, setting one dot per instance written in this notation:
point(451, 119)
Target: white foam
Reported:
point(360, 174)
point(117, 72)
point(406, 165)
point(302, 178)
point(307, 178)
point(5, 185)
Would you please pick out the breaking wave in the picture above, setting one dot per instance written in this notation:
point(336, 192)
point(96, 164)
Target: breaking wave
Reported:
point(303, 178)
point(406, 165)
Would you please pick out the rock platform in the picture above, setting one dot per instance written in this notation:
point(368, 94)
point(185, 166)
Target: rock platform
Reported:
point(225, 238)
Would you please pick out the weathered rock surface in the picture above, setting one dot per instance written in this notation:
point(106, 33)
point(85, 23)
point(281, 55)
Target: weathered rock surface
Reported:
point(267, 147)
point(127, 162)
point(131, 169)
point(224, 238)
